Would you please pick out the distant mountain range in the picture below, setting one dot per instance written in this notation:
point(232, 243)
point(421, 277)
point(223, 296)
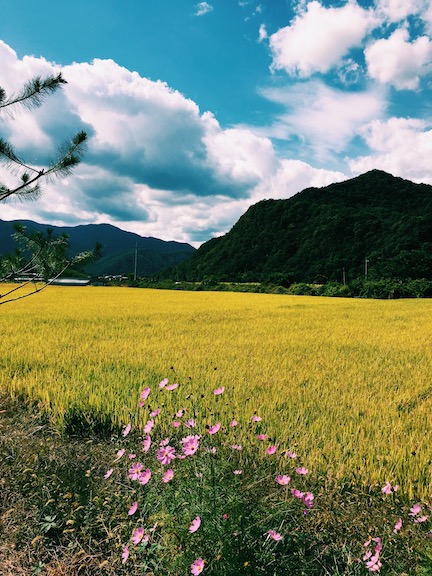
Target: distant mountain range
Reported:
point(376, 224)
point(118, 253)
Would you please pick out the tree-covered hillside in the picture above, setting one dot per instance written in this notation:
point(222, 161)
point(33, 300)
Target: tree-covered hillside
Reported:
point(321, 233)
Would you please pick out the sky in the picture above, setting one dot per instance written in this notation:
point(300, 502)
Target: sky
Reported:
point(197, 110)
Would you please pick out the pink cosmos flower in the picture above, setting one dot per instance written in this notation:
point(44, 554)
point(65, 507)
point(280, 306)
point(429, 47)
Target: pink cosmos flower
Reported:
point(155, 413)
point(190, 423)
point(290, 454)
point(190, 444)
point(272, 449)
point(120, 454)
point(389, 489)
point(420, 519)
point(126, 430)
point(168, 476)
point(256, 419)
point(145, 393)
point(225, 516)
point(214, 429)
point(132, 456)
point(125, 554)
point(374, 564)
point(233, 423)
point(302, 471)
point(275, 535)
point(176, 424)
point(163, 383)
point(138, 535)
point(171, 387)
point(195, 524)
point(237, 472)
point(108, 473)
point(165, 454)
point(296, 493)
point(415, 510)
point(164, 442)
point(282, 479)
point(133, 509)
point(144, 477)
point(398, 526)
point(188, 438)
point(219, 391)
point(135, 471)
point(378, 547)
point(236, 447)
point(308, 499)
point(148, 427)
point(197, 567)
point(180, 413)
point(262, 437)
point(146, 443)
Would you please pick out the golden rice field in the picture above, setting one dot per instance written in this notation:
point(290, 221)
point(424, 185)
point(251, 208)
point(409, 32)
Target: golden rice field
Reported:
point(347, 383)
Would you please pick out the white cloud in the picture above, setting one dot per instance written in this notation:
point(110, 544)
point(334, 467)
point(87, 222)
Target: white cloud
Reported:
point(322, 118)
point(427, 17)
point(399, 62)
point(397, 10)
point(239, 154)
point(292, 176)
point(262, 35)
point(319, 38)
point(155, 165)
point(401, 146)
point(203, 8)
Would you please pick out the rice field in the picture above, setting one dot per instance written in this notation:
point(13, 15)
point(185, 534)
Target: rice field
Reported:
point(344, 382)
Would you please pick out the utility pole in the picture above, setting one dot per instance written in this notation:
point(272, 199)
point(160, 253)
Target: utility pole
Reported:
point(343, 276)
point(136, 260)
point(366, 267)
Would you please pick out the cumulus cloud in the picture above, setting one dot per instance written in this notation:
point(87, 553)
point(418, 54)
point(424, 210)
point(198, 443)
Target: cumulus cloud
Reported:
point(397, 10)
point(155, 164)
point(319, 38)
point(292, 176)
point(321, 118)
point(399, 62)
point(203, 8)
point(401, 146)
point(427, 18)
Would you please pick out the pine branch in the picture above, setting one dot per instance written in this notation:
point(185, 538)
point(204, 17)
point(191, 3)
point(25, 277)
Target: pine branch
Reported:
point(33, 92)
point(70, 155)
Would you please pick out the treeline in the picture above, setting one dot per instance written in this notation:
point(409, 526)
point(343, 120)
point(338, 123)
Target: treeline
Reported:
point(359, 288)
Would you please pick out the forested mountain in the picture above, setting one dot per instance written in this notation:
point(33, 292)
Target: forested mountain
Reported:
point(319, 233)
point(118, 247)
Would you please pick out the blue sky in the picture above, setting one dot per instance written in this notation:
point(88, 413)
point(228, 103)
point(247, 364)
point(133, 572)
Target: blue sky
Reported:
point(196, 110)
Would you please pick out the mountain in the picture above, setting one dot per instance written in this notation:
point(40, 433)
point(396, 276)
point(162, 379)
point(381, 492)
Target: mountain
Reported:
point(375, 220)
point(118, 254)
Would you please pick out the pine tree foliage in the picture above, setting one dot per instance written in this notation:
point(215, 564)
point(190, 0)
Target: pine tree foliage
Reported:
point(39, 256)
point(69, 154)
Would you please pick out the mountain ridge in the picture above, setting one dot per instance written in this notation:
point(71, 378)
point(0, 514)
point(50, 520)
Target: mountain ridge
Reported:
point(154, 255)
point(323, 234)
